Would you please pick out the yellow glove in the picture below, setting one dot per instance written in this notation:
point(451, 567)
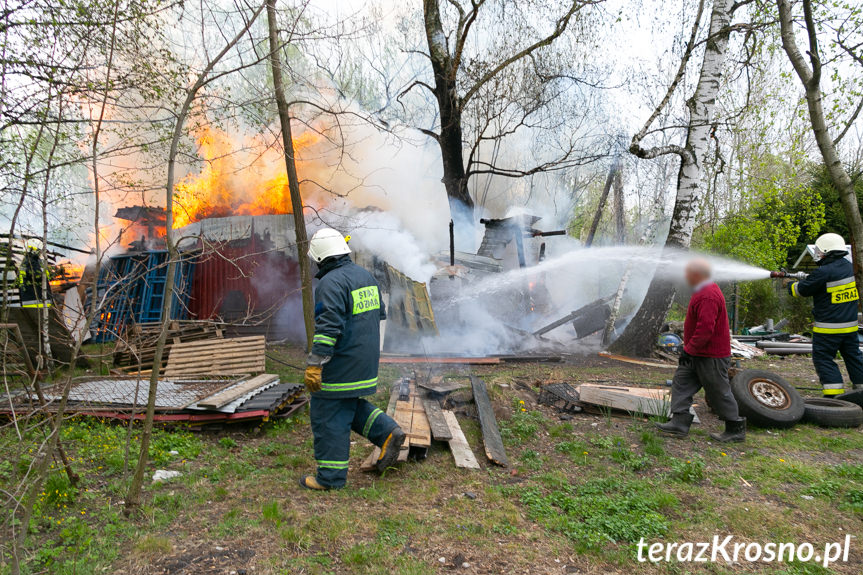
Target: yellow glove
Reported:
point(313, 378)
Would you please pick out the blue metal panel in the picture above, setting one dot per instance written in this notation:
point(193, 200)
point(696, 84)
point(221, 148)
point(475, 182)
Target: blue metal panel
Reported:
point(131, 288)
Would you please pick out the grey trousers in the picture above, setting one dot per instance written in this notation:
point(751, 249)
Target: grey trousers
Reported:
point(692, 374)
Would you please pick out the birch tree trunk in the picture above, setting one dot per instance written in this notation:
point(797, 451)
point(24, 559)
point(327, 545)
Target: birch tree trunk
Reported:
point(619, 210)
point(656, 217)
point(639, 338)
point(302, 236)
point(810, 77)
point(603, 198)
point(133, 498)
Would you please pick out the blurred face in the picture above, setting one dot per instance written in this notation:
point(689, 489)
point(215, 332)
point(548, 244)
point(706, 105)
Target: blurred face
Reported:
point(696, 272)
point(817, 254)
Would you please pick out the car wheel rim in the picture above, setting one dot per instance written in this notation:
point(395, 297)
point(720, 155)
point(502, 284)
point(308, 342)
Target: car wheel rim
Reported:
point(769, 394)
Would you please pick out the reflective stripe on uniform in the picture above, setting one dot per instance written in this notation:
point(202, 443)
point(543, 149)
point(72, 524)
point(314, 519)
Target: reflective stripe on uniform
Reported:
point(826, 327)
point(794, 291)
point(840, 284)
point(324, 339)
point(349, 386)
point(371, 421)
point(332, 464)
point(833, 388)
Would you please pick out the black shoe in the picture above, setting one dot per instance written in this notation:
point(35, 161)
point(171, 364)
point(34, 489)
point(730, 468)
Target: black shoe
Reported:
point(390, 450)
point(735, 432)
point(678, 425)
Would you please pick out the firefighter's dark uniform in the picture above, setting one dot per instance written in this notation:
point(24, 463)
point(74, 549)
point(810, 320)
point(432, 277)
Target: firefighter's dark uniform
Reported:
point(834, 306)
point(348, 312)
point(30, 274)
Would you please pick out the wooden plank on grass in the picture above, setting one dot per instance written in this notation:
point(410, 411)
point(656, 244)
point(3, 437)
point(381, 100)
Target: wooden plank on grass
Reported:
point(490, 431)
point(438, 424)
point(647, 401)
point(420, 432)
point(458, 445)
point(637, 361)
point(225, 397)
point(637, 400)
point(410, 359)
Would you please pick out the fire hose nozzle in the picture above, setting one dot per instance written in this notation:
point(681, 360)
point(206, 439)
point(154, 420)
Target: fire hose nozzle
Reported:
point(782, 274)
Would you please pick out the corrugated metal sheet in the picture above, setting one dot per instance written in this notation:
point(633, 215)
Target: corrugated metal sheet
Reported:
point(278, 230)
point(244, 279)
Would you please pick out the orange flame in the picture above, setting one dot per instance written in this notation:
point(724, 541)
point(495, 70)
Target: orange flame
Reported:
point(248, 181)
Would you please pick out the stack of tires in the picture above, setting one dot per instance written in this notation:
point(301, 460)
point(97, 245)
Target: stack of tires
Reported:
point(767, 400)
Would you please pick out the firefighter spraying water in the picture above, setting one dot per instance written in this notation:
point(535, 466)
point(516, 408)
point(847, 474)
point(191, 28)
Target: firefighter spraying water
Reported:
point(834, 306)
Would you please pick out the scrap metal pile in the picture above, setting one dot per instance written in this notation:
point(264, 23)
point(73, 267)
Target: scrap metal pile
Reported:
point(204, 379)
point(195, 400)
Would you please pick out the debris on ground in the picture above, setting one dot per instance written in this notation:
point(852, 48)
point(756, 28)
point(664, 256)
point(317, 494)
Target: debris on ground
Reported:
point(637, 361)
point(563, 396)
point(745, 351)
point(197, 400)
point(165, 475)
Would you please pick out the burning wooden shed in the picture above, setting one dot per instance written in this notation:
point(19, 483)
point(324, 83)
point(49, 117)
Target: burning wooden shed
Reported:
point(240, 270)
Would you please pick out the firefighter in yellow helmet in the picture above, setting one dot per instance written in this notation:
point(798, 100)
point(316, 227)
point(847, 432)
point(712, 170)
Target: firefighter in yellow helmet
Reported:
point(834, 306)
point(30, 275)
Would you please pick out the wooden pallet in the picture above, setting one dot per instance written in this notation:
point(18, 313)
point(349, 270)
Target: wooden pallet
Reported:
point(138, 342)
point(242, 355)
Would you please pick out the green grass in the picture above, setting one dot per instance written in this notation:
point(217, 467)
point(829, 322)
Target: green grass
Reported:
point(600, 512)
point(578, 492)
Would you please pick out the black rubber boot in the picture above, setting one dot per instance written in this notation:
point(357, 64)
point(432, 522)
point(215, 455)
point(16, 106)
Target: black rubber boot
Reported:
point(678, 425)
point(735, 432)
point(390, 450)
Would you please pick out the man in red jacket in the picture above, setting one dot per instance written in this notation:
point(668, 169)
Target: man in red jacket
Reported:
point(705, 359)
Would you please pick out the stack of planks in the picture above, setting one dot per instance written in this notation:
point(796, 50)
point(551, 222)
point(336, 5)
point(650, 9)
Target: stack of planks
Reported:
point(236, 356)
point(139, 341)
point(420, 415)
point(408, 412)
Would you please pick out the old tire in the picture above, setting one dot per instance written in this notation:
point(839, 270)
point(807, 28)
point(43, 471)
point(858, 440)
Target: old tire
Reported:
point(767, 400)
point(855, 397)
point(829, 412)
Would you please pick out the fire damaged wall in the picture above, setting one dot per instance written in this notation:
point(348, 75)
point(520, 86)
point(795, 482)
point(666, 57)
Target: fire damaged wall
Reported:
point(246, 282)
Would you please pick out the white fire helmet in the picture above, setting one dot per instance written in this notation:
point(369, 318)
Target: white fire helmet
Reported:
point(327, 243)
point(33, 244)
point(827, 243)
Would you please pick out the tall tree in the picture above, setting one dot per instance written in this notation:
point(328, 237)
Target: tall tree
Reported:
point(461, 75)
point(810, 76)
point(293, 181)
point(639, 337)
